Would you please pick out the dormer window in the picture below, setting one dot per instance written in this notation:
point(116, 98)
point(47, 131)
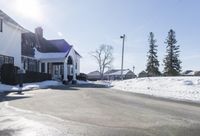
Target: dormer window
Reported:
point(1, 25)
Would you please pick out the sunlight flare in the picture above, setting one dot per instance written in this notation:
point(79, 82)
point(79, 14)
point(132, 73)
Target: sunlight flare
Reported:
point(29, 8)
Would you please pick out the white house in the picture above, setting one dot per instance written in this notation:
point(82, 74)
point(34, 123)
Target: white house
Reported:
point(10, 40)
point(32, 52)
point(55, 57)
point(115, 74)
point(94, 76)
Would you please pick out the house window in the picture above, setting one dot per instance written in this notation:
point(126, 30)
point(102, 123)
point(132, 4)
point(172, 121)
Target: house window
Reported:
point(1, 25)
point(5, 59)
point(30, 64)
point(1, 60)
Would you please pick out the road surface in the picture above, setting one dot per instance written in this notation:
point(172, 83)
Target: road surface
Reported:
point(91, 111)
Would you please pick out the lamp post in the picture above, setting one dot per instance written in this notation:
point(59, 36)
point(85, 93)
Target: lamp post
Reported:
point(123, 37)
point(133, 69)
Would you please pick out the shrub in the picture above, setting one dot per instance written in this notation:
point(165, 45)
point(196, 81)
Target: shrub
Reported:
point(82, 76)
point(30, 77)
point(9, 74)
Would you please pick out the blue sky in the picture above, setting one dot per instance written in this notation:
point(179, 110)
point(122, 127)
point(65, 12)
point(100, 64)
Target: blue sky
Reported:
point(86, 24)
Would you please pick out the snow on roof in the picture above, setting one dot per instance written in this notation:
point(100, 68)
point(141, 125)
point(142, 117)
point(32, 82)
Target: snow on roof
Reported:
point(94, 73)
point(117, 72)
point(188, 73)
point(58, 55)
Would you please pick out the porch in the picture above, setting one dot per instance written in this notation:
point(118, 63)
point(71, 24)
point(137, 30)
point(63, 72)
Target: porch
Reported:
point(60, 69)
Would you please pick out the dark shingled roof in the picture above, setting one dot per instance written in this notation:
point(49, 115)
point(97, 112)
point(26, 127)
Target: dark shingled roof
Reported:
point(40, 43)
point(46, 46)
point(60, 44)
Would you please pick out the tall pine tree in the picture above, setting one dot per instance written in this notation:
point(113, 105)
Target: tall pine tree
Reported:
point(172, 63)
point(152, 61)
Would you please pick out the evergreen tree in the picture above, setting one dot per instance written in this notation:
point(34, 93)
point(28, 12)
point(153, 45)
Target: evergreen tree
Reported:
point(152, 61)
point(172, 63)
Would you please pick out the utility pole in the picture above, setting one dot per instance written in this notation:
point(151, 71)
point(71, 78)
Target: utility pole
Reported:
point(123, 37)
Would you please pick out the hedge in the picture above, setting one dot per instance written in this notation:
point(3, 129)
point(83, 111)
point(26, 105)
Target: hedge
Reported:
point(82, 77)
point(10, 76)
point(30, 77)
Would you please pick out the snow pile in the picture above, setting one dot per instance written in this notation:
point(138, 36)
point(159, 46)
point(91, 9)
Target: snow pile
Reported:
point(103, 82)
point(182, 88)
point(81, 82)
point(29, 86)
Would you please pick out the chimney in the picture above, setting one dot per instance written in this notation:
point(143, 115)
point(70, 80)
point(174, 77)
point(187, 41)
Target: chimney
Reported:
point(39, 31)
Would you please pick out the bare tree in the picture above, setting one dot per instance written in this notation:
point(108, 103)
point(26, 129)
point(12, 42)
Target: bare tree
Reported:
point(104, 57)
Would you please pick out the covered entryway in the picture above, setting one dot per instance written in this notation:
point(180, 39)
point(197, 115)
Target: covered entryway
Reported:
point(69, 69)
point(57, 71)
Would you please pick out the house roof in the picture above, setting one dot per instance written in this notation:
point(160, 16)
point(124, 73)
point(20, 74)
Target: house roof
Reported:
point(10, 20)
point(60, 45)
point(51, 55)
point(188, 73)
point(117, 72)
point(94, 73)
point(49, 47)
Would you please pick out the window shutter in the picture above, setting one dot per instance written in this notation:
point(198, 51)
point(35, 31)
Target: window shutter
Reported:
point(1, 25)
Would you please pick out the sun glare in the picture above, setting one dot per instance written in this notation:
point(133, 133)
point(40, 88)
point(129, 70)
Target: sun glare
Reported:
point(29, 8)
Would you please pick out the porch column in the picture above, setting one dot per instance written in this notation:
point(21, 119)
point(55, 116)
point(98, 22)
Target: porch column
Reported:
point(65, 72)
point(46, 66)
point(74, 73)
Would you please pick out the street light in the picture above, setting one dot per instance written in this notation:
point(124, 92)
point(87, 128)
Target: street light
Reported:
point(123, 37)
point(133, 69)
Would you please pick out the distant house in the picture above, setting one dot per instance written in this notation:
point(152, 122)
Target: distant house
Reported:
point(94, 76)
point(32, 52)
point(115, 74)
point(197, 73)
point(188, 73)
point(143, 74)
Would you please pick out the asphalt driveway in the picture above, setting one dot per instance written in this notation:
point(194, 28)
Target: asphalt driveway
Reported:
point(98, 111)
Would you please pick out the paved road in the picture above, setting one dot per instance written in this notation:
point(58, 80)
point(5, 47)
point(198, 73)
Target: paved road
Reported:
point(90, 111)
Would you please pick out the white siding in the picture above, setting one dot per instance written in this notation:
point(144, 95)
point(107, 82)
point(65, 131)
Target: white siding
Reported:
point(76, 59)
point(10, 42)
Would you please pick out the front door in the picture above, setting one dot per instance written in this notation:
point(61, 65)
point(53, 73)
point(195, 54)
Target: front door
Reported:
point(58, 72)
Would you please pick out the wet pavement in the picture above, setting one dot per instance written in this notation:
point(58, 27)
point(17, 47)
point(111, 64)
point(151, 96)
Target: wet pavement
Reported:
point(95, 111)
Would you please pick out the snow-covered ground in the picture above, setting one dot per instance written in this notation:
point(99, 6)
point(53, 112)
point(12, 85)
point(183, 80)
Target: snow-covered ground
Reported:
point(182, 88)
point(29, 86)
point(17, 122)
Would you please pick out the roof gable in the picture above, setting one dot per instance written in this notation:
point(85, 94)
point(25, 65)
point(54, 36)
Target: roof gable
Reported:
point(5, 17)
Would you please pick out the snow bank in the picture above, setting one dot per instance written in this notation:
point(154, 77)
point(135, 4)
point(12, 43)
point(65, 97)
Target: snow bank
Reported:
point(182, 88)
point(103, 82)
point(28, 86)
point(81, 82)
